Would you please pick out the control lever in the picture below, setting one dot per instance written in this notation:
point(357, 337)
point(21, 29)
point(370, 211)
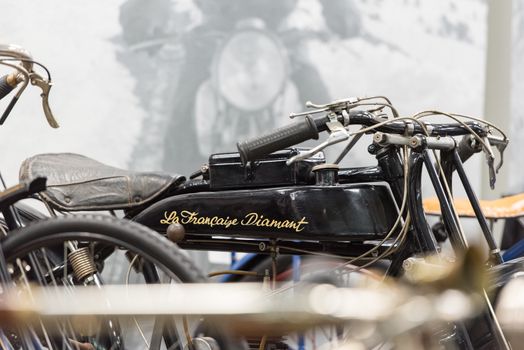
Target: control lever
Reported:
point(335, 106)
point(26, 74)
point(337, 134)
point(500, 143)
point(45, 86)
point(490, 159)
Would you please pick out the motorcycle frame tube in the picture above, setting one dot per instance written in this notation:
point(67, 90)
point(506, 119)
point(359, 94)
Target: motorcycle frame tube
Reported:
point(449, 214)
point(390, 170)
point(450, 161)
point(391, 164)
point(424, 237)
point(456, 237)
point(495, 255)
point(448, 167)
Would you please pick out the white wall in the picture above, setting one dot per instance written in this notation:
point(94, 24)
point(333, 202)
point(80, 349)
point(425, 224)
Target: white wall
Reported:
point(515, 156)
point(421, 54)
point(92, 97)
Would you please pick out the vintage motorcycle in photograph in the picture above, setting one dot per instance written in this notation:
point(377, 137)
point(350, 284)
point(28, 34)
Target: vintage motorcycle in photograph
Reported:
point(285, 204)
point(219, 89)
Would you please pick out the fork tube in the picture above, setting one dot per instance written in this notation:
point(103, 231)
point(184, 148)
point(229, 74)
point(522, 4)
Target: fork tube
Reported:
point(456, 237)
point(390, 164)
point(494, 251)
point(424, 237)
point(459, 244)
point(448, 166)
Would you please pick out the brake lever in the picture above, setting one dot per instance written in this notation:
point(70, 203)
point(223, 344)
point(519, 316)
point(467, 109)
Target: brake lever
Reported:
point(490, 159)
point(45, 86)
point(500, 143)
point(501, 148)
point(337, 134)
point(335, 106)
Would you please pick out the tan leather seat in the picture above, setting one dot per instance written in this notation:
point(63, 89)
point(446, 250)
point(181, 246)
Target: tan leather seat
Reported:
point(502, 208)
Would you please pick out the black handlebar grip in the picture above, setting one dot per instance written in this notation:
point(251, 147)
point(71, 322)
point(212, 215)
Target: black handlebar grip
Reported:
point(278, 139)
point(5, 87)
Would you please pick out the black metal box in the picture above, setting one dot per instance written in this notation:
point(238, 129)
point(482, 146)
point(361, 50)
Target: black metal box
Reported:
point(226, 170)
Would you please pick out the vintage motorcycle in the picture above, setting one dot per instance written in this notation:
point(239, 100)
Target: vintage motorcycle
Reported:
point(276, 201)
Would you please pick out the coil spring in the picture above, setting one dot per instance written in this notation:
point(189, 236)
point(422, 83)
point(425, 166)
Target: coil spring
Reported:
point(82, 263)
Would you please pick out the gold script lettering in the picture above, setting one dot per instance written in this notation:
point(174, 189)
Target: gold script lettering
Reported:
point(251, 219)
point(254, 219)
point(170, 218)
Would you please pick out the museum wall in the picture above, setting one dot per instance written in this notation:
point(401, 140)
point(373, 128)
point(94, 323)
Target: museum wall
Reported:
point(516, 157)
point(120, 95)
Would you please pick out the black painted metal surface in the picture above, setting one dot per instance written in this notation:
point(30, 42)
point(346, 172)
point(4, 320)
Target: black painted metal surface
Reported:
point(344, 212)
point(226, 170)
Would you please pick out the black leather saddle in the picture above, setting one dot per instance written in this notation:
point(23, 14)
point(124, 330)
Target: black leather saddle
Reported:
point(76, 182)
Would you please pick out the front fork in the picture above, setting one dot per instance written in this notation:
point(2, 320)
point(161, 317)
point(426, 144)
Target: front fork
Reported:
point(419, 158)
point(422, 240)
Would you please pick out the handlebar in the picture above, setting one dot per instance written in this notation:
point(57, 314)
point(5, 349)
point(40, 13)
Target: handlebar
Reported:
point(309, 127)
point(18, 53)
point(401, 127)
point(24, 73)
point(280, 138)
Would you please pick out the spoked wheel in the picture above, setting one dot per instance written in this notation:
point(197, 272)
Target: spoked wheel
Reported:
point(74, 251)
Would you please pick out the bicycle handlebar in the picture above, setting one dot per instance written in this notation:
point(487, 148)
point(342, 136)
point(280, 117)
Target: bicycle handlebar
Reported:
point(309, 127)
point(25, 69)
point(18, 53)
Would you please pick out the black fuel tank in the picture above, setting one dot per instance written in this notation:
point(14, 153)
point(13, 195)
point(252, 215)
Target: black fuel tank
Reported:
point(344, 212)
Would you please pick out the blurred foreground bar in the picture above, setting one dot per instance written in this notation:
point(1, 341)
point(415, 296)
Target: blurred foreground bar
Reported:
point(244, 306)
